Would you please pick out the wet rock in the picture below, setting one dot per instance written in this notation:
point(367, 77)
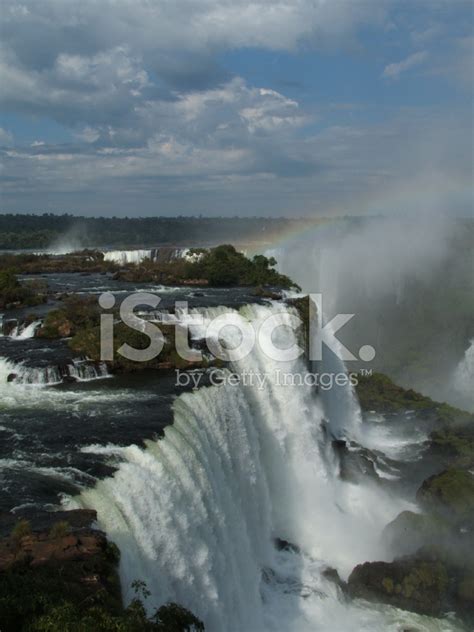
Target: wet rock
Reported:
point(69, 379)
point(332, 575)
point(450, 494)
point(284, 545)
point(412, 583)
point(354, 462)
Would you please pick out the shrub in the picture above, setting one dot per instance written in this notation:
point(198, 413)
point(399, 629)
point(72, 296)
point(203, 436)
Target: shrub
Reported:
point(59, 530)
point(20, 530)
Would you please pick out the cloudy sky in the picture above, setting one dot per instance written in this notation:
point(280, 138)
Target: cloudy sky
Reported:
point(249, 107)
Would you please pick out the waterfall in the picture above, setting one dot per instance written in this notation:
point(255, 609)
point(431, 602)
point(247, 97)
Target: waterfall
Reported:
point(124, 257)
point(14, 373)
point(196, 514)
point(339, 400)
point(164, 254)
point(464, 378)
point(22, 331)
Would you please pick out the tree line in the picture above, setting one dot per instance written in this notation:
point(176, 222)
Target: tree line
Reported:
point(42, 231)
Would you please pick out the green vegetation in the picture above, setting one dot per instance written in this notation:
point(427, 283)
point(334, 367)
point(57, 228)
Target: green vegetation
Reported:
point(66, 580)
point(69, 618)
point(16, 294)
point(455, 443)
point(85, 261)
point(52, 599)
point(59, 530)
point(87, 342)
point(378, 392)
point(77, 313)
point(450, 493)
point(225, 266)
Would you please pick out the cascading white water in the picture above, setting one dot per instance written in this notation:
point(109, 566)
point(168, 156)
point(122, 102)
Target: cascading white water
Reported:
point(22, 332)
point(195, 514)
point(14, 373)
point(464, 378)
point(124, 257)
point(339, 400)
point(86, 371)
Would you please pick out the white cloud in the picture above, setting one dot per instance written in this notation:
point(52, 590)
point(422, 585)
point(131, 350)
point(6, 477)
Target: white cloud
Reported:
point(82, 61)
point(393, 71)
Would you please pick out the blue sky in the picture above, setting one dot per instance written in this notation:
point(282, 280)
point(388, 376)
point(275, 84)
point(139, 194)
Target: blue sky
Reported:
point(308, 107)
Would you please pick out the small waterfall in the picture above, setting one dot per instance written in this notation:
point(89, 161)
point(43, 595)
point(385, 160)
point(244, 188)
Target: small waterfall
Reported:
point(195, 514)
point(464, 378)
point(164, 254)
point(22, 331)
point(78, 370)
point(124, 257)
point(86, 371)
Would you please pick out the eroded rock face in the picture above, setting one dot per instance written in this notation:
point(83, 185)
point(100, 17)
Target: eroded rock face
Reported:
point(39, 548)
point(50, 561)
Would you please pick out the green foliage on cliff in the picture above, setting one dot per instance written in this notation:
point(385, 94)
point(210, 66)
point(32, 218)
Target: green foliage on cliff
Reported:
point(70, 618)
point(378, 392)
point(450, 493)
point(52, 600)
point(225, 266)
point(76, 314)
point(12, 292)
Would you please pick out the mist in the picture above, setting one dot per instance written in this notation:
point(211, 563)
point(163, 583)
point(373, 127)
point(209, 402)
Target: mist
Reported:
point(76, 238)
point(409, 283)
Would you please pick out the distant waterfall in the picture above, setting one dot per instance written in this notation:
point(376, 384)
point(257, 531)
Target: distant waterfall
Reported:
point(195, 514)
point(12, 373)
point(464, 378)
point(164, 254)
point(124, 257)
